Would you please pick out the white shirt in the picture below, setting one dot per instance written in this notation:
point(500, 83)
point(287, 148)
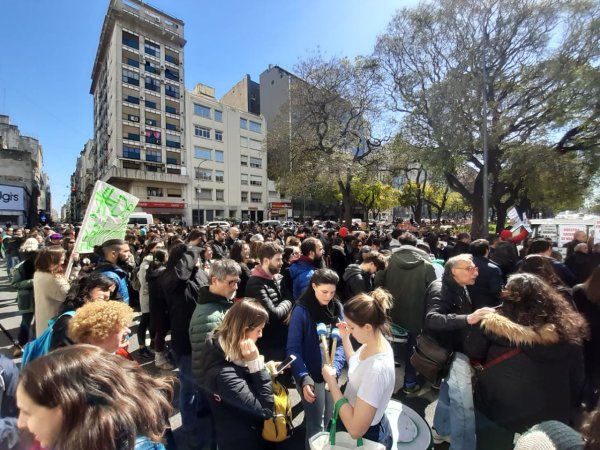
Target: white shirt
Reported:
point(372, 380)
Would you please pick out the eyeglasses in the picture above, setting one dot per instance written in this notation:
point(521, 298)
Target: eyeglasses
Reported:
point(232, 283)
point(469, 269)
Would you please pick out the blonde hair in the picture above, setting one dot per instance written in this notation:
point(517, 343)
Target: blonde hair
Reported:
point(30, 245)
point(245, 315)
point(95, 321)
point(371, 308)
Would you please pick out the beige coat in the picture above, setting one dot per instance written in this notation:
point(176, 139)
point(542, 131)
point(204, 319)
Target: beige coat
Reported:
point(49, 292)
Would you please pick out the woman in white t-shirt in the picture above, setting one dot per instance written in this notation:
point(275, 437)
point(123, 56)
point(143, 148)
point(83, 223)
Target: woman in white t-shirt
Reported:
point(371, 373)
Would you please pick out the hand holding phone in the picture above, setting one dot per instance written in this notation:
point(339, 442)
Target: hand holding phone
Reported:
point(287, 362)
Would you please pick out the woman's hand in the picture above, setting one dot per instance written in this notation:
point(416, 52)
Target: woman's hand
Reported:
point(344, 329)
point(249, 350)
point(309, 393)
point(75, 256)
point(329, 374)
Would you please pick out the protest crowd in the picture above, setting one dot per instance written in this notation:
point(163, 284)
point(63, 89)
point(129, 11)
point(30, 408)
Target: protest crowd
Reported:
point(518, 327)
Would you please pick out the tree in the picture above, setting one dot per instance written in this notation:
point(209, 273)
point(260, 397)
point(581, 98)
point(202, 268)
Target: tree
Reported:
point(329, 134)
point(374, 196)
point(527, 58)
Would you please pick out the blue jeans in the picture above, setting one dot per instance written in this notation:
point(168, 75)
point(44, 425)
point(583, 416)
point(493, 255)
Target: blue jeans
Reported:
point(455, 412)
point(11, 262)
point(317, 414)
point(406, 351)
point(187, 394)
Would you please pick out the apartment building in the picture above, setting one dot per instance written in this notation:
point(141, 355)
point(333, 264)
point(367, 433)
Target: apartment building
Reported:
point(228, 163)
point(138, 90)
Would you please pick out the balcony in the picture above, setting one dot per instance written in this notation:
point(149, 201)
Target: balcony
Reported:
point(171, 59)
point(172, 144)
point(116, 173)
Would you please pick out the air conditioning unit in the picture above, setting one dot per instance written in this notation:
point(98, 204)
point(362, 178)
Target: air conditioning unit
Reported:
point(162, 67)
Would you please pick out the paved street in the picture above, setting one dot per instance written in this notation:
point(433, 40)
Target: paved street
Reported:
point(10, 319)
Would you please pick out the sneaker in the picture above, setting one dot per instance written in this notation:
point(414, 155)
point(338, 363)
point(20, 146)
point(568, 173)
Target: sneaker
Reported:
point(144, 352)
point(438, 438)
point(411, 390)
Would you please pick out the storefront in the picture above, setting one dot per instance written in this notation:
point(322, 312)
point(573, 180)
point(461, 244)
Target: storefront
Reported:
point(280, 210)
point(164, 212)
point(12, 205)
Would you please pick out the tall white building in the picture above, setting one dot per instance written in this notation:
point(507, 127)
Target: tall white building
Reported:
point(228, 161)
point(138, 89)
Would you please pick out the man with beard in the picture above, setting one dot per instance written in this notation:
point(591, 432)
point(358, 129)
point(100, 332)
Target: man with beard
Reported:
point(265, 286)
point(116, 254)
point(303, 268)
point(220, 250)
point(232, 235)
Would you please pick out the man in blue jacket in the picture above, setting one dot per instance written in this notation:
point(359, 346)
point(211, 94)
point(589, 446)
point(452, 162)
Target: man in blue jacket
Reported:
point(303, 268)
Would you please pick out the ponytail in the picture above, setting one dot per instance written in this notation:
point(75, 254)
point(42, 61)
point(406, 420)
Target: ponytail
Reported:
point(370, 309)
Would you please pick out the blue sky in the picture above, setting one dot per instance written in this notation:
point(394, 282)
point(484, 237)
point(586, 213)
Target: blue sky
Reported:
point(48, 49)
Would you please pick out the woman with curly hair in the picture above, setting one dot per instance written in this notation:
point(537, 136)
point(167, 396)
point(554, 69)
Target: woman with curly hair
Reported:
point(81, 397)
point(531, 353)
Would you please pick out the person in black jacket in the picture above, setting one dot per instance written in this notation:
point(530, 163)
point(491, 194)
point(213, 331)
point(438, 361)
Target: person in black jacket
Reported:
point(488, 284)
point(264, 285)
point(219, 247)
point(236, 378)
point(359, 278)
point(531, 352)
point(448, 318)
point(181, 283)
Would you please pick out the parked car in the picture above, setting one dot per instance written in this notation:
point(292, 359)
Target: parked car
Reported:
point(217, 224)
point(271, 223)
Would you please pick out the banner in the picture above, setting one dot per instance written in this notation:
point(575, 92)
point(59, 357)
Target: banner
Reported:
point(596, 233)
point(566, 232)
point(106, 217)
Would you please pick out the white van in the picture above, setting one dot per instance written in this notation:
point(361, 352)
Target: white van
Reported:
point(139, 219)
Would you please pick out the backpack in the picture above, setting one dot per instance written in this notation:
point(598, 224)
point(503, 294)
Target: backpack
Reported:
point(41, 345)
point(279, 427)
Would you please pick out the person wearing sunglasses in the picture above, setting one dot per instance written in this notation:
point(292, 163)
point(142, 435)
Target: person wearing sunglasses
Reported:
point(449, 316)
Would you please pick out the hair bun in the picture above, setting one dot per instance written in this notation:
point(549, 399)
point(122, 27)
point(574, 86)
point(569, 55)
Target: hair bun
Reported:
point(383, 298)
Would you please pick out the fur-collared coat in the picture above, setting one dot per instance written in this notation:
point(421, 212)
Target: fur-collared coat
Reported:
point(542, 382)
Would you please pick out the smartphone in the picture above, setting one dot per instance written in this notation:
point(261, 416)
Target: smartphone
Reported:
point(285, 363)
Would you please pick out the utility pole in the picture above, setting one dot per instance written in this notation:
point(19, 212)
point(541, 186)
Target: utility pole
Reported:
point(484, 132)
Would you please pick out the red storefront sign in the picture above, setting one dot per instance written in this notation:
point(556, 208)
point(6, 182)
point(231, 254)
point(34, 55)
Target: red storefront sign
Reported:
point(281, 205)
point(161, 205)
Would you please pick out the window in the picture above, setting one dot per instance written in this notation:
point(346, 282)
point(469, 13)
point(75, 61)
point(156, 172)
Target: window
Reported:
point(152, 49)
point(172, 74)
point(203, 174)
point(132, 62)
point(255, 162)
point(202, 153)
point(153, 137)
point(131, 77)
point(255, 180)
point(150, 104)
point(244, 196)
point(154, 192)
point(243, 142)
point(131, 40)
point(203, 194)
point(152, 122)
point(171, 126)
point(219, 176)
point(244, 179)
point(171, 110)
point(152, 84)
point(218, 115)
point(244, 160)
point(256, 127)
point(152, 67)
point(132, 99)
point(219, 156)
point(202, 111)
point(173, 142)
point(255, 197)
point(153, 155)
point(201, 132)
point(173, 192)
point(172, 161)
point(171, 91)
point(243, 123)
point(255, 145)
point(220, 195)
point(131, 152)
point(218, 136)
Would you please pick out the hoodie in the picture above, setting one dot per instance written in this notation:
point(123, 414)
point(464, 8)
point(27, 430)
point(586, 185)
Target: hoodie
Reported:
point(408, 274)
point(356, 281)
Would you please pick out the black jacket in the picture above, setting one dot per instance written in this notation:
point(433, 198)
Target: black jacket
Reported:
point(356, 281)
point(242, 402)
point(269, 293)
point(542, 382)
point(159, 310)
point(488, 284)
point(220, 250)
point(180, 286)
point(447, 308)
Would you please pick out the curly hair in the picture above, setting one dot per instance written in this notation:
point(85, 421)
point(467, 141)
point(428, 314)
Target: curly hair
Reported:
point(79, 293)
point(541, 266)
point(105, 399)
point(531, 301)
point(95, 321)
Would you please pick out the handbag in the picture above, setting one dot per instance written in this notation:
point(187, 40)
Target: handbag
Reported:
point(430, 359)
point(340, 440)
point(279, 427)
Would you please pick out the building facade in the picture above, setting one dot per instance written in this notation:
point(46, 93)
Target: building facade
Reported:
point(228, 163)
point(138, 90)
point(24, 188)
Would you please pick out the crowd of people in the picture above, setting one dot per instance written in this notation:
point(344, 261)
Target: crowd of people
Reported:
point(522, 328)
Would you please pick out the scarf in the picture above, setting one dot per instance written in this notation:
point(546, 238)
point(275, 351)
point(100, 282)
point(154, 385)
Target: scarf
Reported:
point(329, 315)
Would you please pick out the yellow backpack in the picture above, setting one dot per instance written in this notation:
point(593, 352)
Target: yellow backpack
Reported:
point(279, 427)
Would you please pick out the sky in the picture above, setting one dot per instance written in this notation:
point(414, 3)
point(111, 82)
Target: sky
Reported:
point(48, 50)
